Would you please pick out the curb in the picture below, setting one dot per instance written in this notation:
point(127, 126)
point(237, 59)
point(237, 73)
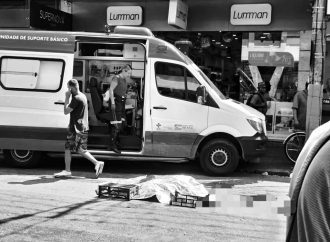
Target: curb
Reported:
point(269, 172)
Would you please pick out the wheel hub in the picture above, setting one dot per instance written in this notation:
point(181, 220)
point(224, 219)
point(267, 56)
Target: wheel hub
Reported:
point(21, 154)
point(219, 157)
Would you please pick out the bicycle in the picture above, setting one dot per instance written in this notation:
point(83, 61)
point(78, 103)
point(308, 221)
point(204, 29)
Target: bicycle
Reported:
point(293, 145)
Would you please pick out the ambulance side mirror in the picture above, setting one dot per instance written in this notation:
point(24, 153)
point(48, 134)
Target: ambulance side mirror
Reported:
point(201, 95)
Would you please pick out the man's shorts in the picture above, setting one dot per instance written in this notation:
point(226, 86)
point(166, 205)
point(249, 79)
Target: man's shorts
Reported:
point(76, 141)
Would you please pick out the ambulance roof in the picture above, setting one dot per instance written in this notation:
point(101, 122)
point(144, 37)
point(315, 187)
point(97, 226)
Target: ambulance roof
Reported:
point(157, 48)
point(60, 41)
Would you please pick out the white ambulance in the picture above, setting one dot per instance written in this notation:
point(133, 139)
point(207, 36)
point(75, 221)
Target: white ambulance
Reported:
point(164, 119)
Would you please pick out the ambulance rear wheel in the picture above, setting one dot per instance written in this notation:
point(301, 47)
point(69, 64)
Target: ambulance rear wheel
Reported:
point(22, 158)
point(219, 157)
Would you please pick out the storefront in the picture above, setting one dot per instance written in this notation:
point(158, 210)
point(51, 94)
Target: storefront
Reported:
point(238, 43)
point(36, 14)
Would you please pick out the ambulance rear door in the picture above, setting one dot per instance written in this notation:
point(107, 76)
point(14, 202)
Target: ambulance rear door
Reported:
point(35, 68)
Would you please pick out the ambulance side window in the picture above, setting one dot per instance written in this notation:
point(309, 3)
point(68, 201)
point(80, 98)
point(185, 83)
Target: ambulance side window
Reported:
point(176, 81)
point(192, 87)
point(33, 74)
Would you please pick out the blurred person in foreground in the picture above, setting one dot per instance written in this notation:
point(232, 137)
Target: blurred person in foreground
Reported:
point(309, 191)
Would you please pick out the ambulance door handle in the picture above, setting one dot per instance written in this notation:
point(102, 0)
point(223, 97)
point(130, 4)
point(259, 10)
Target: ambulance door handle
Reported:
point(59, 103)
point(160, 107)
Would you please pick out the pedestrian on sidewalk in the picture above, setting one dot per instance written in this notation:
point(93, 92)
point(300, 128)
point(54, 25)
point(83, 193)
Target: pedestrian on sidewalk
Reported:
point(78, 129)
point(299, 108)
point(257, 100)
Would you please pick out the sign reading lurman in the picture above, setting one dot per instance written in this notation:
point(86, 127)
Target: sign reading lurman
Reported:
point(124, 15)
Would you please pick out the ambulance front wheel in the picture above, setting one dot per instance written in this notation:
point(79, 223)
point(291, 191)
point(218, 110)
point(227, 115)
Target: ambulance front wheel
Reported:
point(219, 157)
point(22, 158)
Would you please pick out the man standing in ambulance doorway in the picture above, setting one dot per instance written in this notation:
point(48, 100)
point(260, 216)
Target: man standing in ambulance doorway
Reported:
point(116, 97)
point(77, 130)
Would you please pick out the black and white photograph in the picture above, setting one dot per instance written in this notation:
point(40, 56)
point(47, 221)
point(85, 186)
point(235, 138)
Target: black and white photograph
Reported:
point(164, 120)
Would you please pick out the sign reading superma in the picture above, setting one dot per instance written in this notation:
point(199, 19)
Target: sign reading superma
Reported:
point(124, 15)
point(251, 14)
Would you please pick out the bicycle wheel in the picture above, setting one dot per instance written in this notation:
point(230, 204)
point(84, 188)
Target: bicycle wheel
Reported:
point(293, 145)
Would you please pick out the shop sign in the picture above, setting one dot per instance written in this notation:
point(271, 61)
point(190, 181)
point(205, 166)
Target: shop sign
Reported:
point(47, 41)
point(263, 58)
point(44, 17)
point(178, 13)
point(251, 14)
point(124, 15)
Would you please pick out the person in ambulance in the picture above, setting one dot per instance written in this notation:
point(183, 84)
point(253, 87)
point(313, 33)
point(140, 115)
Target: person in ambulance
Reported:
point(115, 97)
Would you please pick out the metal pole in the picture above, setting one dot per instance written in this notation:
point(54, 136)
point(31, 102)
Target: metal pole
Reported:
point(315, 89)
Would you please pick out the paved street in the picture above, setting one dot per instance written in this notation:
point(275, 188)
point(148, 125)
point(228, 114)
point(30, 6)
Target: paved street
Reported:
point(37, 207)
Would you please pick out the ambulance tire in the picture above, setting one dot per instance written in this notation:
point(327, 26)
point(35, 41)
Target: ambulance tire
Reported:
point(22, 158)
point(219, 157)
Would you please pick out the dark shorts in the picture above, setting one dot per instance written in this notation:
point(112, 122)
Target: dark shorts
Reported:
point(76, 142)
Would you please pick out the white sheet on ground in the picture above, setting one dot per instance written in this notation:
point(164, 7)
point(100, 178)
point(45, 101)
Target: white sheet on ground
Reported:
point(163, 186)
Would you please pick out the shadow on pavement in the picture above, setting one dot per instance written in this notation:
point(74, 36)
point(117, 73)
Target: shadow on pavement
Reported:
point(82, 168)
point(67, 210)
point(40, 180)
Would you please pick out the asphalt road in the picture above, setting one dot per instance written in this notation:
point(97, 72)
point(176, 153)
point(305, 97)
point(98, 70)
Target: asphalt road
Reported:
point(37, 207)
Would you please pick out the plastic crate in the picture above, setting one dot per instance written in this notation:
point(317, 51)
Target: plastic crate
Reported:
point(184, 200)
point(117, 191)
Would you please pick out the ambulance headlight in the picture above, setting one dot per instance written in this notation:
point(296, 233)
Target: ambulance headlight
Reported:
point(256, 125)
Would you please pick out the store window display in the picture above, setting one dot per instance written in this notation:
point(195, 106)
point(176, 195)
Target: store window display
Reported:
point(281, 113)
point(281, 86)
